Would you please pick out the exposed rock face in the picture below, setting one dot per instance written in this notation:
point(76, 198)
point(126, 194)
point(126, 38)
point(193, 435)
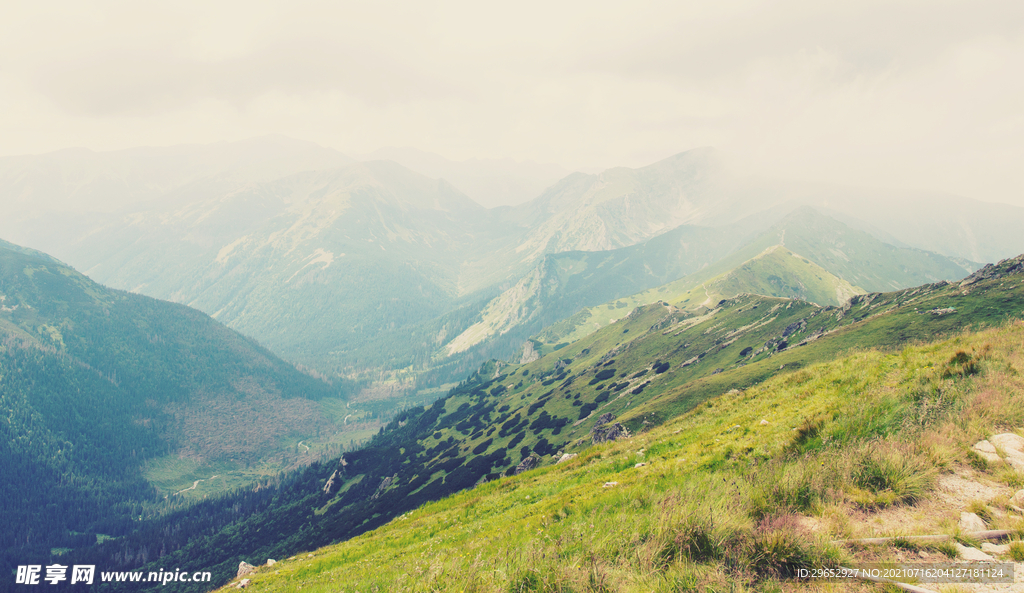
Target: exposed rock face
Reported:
point(565, 457)
point(530, 354)
point(1014, 265)
point(973, 554)
point(384, 485)
point(245, 568)
point(603, 431)
point(271, 562)
point(1018, 498)
point(527, 464)
point(242, 584)
point(330, 482)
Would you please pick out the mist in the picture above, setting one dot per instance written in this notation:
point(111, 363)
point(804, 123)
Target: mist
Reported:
point(902, 95)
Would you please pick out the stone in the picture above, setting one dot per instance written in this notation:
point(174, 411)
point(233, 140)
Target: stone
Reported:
point(986, 450)
point(973, 554)
point(610, 484)
point(970, 523)
point(527, 464)
point(271, 562)
point(641, 464)
point(1012, 446)
point(989, 548)
point(764, 422)
point(566, 457)
point(608, 432)
point(245, 568)
point(1018, 498)
point(242, 584)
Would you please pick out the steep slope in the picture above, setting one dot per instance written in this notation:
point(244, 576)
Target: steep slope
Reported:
point(741, 493)
point(651, 366)
point(99, 386)
point(313, 264)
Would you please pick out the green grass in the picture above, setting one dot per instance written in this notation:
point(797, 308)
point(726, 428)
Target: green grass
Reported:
point(714, 506)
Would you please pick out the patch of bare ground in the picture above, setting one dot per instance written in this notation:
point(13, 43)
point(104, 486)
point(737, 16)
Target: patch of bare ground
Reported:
point(963, 489)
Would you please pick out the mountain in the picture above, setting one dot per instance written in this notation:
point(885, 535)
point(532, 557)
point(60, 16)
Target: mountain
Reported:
point(488, 182)
point(853, 256)
point(651, 366)
point(52, 200)
point(112, 401)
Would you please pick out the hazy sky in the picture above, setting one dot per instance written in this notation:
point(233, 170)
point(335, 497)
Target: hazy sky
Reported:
point(925, 94)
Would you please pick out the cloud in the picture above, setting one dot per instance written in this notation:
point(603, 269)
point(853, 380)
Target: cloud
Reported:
point(905, 94)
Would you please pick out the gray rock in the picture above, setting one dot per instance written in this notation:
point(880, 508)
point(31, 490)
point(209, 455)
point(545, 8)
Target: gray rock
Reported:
point(271, 562)
point(969, 523)
point(1018, 498)
point(242, 584)
point(245, 568)
point(565, 457)
point(527, 464)
point(607, 433)
point(384, 485)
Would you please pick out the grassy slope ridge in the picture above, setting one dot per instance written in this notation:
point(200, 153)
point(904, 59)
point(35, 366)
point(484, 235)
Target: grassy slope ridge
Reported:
point(708, 499)
point(651, 366)
point(97, 383)
point(849, 254)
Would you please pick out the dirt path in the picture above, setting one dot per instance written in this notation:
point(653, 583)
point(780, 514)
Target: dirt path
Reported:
point(194, 484)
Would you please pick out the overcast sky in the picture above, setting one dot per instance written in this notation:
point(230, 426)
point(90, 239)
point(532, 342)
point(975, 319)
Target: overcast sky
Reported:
point(925, 94)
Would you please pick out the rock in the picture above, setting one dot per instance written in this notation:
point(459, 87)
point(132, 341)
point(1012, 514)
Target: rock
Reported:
point(603, 419)
point(310, 555)
point(527, 464)
point(384, 485)
point(565, 457)
point(764, 422)
point(986, 450)
point(1012, 446)
point(271, 562)
point(606, 433)
point(970, 523)
point(994, 549)
point(610, 484)
point(641, 464)
point(245, 568)
point(330, 482)
point(1018, 498)
point(242, 584)
point(973, 554)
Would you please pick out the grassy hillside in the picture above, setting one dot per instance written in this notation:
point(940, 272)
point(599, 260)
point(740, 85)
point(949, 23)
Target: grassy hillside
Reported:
point(711, 499)
point(653, 365)
point(851, 255)
point(107, 394)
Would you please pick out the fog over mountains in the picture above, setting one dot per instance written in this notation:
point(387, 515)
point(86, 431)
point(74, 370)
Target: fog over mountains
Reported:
point(381, 272)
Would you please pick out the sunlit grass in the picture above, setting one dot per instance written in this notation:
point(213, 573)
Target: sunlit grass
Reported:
point(715, 505)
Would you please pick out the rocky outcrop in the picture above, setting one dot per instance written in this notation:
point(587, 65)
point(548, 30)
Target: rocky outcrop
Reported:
point(566, 457)
point(605, 431)
point(384, 485)
point(330, 482)
point(527, 464)
point(244, 568)
point(1014, 265)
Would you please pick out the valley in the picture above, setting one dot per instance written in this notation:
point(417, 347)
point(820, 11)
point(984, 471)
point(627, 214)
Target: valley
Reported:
point(328, 350)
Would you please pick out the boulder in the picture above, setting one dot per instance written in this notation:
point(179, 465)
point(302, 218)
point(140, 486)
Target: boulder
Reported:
point(970, 523)
point(242, 584)
point(527, 464)
point(565, 457)
point(764, 422)
point(245, 568)
point(610, 484)
point(1012, 446)
point(641, 464)
point(606, 433)
point(1018, 498)
point(271, 562)
point(986, 450)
